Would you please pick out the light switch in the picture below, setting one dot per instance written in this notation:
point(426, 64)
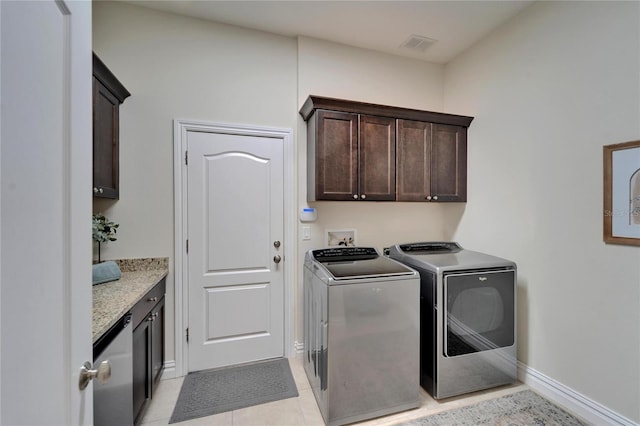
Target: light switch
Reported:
point(306, 233)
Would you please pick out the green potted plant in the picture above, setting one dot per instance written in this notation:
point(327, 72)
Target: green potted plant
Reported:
point(104, 230)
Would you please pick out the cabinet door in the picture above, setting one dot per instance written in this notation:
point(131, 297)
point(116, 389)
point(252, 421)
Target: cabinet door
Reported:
point(414, 159)
point(377, 165)
point(449, 163)
point(141, 379)
point(157, 344)
point(105, 141)
point(333, 156)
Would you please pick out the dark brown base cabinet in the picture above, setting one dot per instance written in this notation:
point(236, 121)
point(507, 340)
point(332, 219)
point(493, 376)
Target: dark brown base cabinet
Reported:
point(148, 348)
point(366, 152)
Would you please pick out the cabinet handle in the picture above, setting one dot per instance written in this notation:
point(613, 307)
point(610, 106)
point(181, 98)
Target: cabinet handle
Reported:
point(152, 299)
point(435, 198)
point(363, 196)
point(428, 197)
point(355, 196)
point(95, 190)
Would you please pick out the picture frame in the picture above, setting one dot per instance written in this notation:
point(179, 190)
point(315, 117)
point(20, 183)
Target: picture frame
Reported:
point(621, 212)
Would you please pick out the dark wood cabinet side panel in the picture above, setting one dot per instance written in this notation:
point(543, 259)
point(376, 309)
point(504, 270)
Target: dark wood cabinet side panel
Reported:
point(449, 148)
point(377, 158)
point(336, 155)
point(414, 159)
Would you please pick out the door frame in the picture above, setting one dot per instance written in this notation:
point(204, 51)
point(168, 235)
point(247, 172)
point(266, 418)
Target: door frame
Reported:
point(181, 273)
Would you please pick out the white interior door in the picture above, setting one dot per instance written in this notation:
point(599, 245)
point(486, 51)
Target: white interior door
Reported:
point(235, 231)
point(45, 218)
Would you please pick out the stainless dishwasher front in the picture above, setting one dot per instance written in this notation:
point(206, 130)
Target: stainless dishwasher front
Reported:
point(113, 400)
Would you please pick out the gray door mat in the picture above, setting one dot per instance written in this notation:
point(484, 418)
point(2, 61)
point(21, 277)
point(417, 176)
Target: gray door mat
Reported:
point(523, 408)
point(209, 392)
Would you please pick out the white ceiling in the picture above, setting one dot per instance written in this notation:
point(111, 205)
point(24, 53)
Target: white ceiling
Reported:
point(378, 25)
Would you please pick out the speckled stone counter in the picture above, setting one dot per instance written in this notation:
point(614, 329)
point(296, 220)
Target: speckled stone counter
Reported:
point(113, 299)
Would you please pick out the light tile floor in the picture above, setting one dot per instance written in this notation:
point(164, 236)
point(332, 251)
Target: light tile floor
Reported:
point(303, 410)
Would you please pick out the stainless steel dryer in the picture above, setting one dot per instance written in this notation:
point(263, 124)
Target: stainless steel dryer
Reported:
point(361, 333)
point(468, 317)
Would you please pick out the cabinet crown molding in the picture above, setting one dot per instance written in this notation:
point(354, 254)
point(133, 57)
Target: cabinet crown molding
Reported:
point(106, 77)
point(314, 103)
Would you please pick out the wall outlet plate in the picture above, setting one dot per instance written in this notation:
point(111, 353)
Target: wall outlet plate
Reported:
point(340, 237)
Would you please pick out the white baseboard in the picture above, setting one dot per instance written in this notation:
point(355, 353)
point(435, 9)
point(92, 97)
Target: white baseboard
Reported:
point(169, 370)
point(569, 399)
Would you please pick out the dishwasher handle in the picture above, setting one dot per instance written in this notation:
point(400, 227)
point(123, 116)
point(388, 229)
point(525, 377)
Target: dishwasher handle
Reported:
point(110, 335)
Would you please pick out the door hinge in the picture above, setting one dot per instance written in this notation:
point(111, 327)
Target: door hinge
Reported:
point(186, 158)
point(187, 335)
point(187, 246)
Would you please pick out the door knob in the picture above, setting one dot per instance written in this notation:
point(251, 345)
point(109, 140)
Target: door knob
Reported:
point(103, 373)
point(277, 258)
point(276, 244)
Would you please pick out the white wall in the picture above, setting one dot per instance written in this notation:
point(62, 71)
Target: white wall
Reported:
point(548, 90)
point(177, 67)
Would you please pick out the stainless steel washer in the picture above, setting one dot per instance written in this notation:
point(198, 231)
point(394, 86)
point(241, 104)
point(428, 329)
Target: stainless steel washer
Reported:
point(361, 333)
point(468, 317)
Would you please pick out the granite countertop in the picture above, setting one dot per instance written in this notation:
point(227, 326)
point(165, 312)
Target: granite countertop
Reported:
point(113, 299)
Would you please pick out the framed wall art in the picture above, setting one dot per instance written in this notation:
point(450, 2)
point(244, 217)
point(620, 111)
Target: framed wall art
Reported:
point(621, 214)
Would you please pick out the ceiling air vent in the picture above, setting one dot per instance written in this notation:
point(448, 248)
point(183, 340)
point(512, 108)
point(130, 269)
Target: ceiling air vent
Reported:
point(417, 43)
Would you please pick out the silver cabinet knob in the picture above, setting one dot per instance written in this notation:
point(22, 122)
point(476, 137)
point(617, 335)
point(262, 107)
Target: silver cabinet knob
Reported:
point(102, 373)
point(276, 244)
point(428, 197)
point(95, 190)
point(363, 196)
point(435, 198)
point(277, 258)
point(355, 196)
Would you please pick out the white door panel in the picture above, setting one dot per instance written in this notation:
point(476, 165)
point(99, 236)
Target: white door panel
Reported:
point(45, 255)
point(222, 302)
point(235, 214)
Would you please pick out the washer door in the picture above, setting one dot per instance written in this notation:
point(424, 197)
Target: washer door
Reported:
point(480, 311)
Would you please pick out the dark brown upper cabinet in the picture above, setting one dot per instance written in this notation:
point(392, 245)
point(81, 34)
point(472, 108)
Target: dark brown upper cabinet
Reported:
point(352, 157)
point(108, 94)
point(432, 162)
point(361, 151)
